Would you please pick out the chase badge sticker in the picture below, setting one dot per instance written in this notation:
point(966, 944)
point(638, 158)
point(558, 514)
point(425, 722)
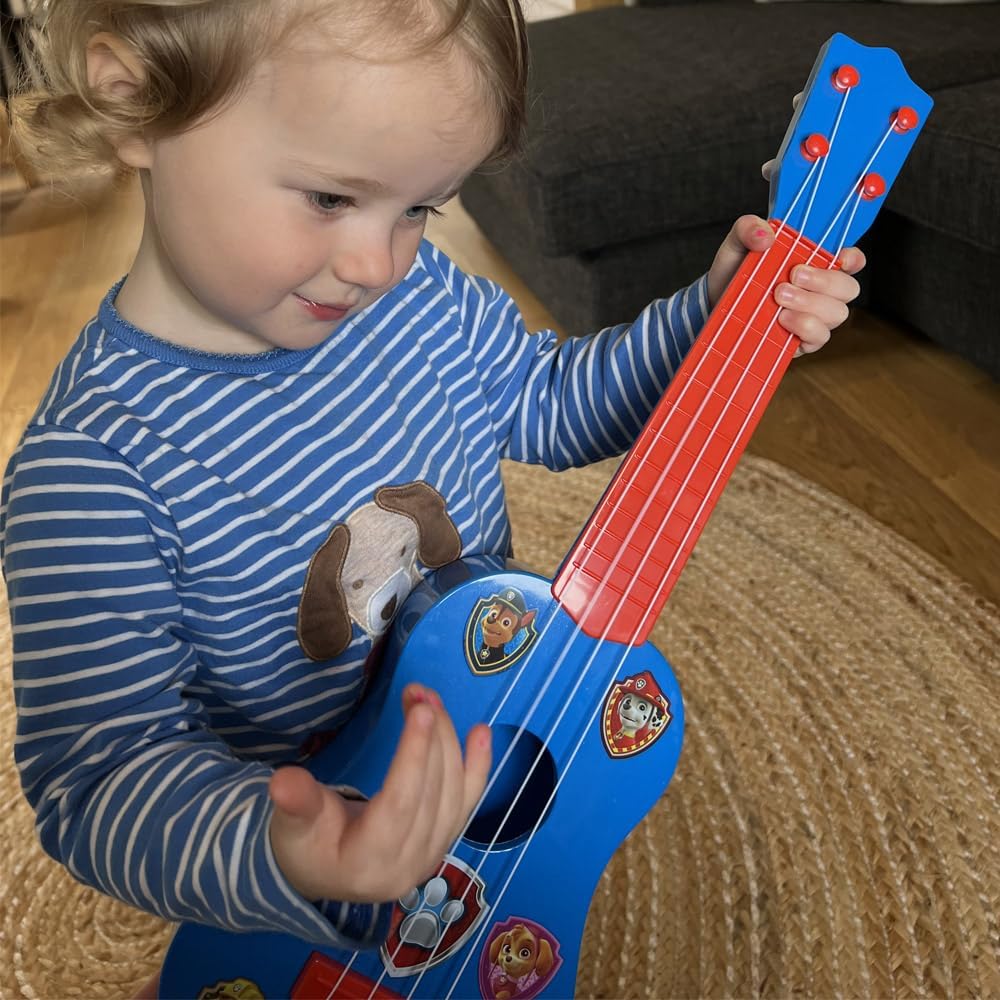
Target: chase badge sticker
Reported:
point(500, 630)
point(636, 714)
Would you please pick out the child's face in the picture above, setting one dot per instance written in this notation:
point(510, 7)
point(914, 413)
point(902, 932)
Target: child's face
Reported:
point(302, 201)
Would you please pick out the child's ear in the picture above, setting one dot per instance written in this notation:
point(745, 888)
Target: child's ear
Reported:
point(114, 70)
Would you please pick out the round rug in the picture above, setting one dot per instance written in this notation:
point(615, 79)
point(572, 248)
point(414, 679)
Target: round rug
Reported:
point(833, 826)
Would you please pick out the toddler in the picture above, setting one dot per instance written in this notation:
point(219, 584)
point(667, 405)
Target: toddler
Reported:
point(290, 407)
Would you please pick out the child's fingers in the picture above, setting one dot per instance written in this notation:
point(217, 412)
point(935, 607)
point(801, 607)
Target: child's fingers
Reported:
point(296, 793)
point(452, 784)
point(829, 310)
point(305, 830)
point(837, 284)
point(450, 815)
point(425, 790)
point(749, 232)
point(402, 793)
point(478, 757)
point(465, 781)
point(808, 328)
point(768, 168)
point(852, 260)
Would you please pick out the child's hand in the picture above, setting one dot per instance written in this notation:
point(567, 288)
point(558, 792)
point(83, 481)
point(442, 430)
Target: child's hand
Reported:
point(816, 300)
point(331, 848)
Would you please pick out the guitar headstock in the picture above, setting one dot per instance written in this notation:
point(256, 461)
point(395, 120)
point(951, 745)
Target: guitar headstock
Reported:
point(858, 118)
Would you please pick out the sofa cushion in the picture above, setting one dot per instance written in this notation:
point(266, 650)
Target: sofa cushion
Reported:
point(638, 126)
point(951, 183)
point(944, 287)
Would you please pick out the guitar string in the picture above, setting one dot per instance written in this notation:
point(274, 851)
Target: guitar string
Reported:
point(583, 733)
point(585, 729)
point(678, 551)
point(582, 677)
point(555, 725)
point(550, 678)
point(691, 527)
point(589, 723)
point(858, 191)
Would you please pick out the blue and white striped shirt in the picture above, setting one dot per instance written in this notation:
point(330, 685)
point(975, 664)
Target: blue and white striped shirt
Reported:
point(157, 523)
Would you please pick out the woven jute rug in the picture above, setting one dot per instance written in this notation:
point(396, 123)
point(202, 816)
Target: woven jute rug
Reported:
point(832, 829)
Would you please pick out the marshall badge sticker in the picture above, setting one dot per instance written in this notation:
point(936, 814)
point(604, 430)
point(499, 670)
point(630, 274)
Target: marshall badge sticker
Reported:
point(636, 714)
point(500, 631)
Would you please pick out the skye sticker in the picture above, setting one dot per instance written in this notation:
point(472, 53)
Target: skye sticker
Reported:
point(636, 714)
point(500, 631)
point(518, 960)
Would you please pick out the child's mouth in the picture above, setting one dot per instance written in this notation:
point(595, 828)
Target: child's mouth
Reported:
point(323, 310)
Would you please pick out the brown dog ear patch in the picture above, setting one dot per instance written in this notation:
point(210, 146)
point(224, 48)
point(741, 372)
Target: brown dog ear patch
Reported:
point(440, 542)
point(324, 628)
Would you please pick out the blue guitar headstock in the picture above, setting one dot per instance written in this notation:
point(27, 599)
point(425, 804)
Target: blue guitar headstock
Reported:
point(859, 116)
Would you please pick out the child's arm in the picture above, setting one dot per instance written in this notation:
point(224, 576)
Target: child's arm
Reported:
point(587, 398)
point(133, 792)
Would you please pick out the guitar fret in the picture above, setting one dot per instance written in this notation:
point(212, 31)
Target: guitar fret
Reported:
point(630, 553)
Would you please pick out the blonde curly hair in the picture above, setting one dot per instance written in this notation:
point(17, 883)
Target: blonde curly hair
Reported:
point(196, 54)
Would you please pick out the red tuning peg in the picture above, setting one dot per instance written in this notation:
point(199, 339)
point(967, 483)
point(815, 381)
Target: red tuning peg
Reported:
point(872, 187)
point(815, 146)
point(846, 77)
point(905, 119)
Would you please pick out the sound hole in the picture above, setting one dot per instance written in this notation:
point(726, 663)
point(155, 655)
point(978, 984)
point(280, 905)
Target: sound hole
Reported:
point(513, 783)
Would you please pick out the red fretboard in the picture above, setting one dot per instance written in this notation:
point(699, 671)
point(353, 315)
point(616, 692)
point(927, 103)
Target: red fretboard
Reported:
point(626, 561)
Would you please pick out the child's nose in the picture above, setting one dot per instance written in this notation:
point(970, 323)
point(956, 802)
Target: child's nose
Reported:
point(367, 262)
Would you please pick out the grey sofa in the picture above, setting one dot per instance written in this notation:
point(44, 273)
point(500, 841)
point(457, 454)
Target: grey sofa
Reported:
point(648, 127)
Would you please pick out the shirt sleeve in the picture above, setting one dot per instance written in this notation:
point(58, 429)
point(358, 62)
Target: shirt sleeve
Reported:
point(586, 398)
point(132, 791)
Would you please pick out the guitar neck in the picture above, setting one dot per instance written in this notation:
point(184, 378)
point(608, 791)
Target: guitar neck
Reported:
point(622, 568)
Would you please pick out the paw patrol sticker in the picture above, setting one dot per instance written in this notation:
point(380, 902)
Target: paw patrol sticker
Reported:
point(500, 631)
point(636, 714)
point(230, 989)
point(435, 920)
point(518, 961)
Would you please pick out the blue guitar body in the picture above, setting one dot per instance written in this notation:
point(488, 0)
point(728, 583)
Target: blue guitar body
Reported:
point(592, 737)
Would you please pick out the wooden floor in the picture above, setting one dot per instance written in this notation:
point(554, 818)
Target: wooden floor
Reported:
point(903, 430)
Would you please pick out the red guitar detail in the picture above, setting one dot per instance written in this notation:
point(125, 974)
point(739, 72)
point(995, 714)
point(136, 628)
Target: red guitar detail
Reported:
point(322, 976)
point(619, 574)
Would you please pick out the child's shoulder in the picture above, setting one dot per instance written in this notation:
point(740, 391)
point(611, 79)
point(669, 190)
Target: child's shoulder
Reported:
point(440, 268)
point(74, 376)
point(436, 264)
point(87, 387)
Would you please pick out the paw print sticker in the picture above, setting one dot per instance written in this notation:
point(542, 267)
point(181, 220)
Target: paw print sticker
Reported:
point(428, 912)
point(433, 921)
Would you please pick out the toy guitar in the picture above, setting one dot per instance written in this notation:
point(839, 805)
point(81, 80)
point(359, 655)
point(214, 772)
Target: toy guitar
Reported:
point(586, 715)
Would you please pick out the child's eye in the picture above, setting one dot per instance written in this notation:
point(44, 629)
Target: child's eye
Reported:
point(420, 212)
point(325, 202)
